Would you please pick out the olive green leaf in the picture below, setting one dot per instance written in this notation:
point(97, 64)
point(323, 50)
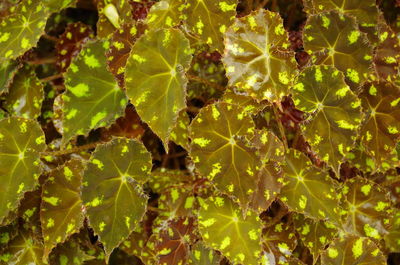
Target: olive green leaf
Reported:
point(201, 255)
point(221, 150)
point(270, 148)
point(112, 14)
point(24, 249)
point(353, 250)
point(225, 228)
point(155, 78)
point(250, 104)
point(316, 235)
point(21, 141)
point(210, 19)
point(21, 31)
point(25, 94)
point(7, 72)
point(335, 39)
point(165, 14)
point(57, 5)
point(120, 46)
point(61, 210)
point(335, 112)
point(112, 192)
point(93, 98)
point(279, 241)
point(392, 238)
point(381, 129)
point(177, 201)
point(7, 233)
point(308, 189)
point(367, 208)
point(180, 133)
point(257, 57)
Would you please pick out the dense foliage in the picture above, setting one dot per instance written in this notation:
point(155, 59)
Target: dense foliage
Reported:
point(199, 132)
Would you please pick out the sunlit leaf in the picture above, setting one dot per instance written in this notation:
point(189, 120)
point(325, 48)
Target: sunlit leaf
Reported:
point(381, 128)
point(316, 235)
point(309, 190)
point(257, 57)
point(334, 109)
point(335, 39)
point(392, 239)
point(93, 98)
point(112, 14)
point(25, 94)
point(20, 31)
point(201, 255)
point(155, 80)
point(279, 241)
point(210, 19)
point(7, 72)
point(71, 42)
point(21, 140)
point(353, 250)
point(250, 104)
point(221, 150)
point(367, 208)
point(224, 228)
point(120, 46)
point(61, 214)
point(112, 192)
point(165, 14)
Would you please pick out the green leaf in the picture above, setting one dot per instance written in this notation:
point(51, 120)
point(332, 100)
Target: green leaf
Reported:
point(25, 95)
point(309, 190)
point(177, 201)
point(138, 244)
point(201, 255)
point(367, 208)
point(7, 73)
point(334, 109)
point(270, 148)
point(353, 250)
point(21, 141)
point(221, 150)
point(224, 228)
point(257, 58)
point(209, 19)
point(392, 238)
point(335, 39)
point(21, 31)
point(155, 78)
point(180, 133)
point(316, 235)
point(61, 210)
point(165, 14)
point(381, 129)
point(248, 103)
point(112, 189)
point(57, 5)
point(112, 14)
point(93, 98)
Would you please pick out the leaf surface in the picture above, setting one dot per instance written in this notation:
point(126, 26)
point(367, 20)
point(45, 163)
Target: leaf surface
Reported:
point(165, 14)
point(7, 73)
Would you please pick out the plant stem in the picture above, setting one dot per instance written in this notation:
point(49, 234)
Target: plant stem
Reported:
point(43, 61)
point(52, 77)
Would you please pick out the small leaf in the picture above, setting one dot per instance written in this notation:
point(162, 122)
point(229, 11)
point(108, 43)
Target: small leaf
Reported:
point(112, 192)
point(224, 228)
point(165, 14)
point(335, 112)
point(257, 57)
point(155, 80)
point(221, 150)
point(309, 190)
point(93, 98)
point(60, 212)
point(335, 39)
point(180, 133)
point(209, 19)
point(353, 250)
point(367, 208)
point(21, 31)
point(25, 95)
point(21, 141)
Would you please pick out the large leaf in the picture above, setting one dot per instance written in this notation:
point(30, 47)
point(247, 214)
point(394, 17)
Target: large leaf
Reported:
point(155, 78)
point(20, 31)
point(21, 140)
point(25, 94)
point(309, 190)
point(112, 192)
point(61, 210)
point(166, 13)
point(335, 39)
point(381, 129)
point(257, 57)
point(224, 228)
point(210, 19)
point(221, 151)
point(93, 98)
point(367, 208)
point(353, 250)
point(335, 112)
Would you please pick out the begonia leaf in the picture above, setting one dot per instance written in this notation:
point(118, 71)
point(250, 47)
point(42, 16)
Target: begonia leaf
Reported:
point(7, 72)
point(112, 14)
point(392, 238)
point(201, 255)
point(180, 133)
point(165, 14)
